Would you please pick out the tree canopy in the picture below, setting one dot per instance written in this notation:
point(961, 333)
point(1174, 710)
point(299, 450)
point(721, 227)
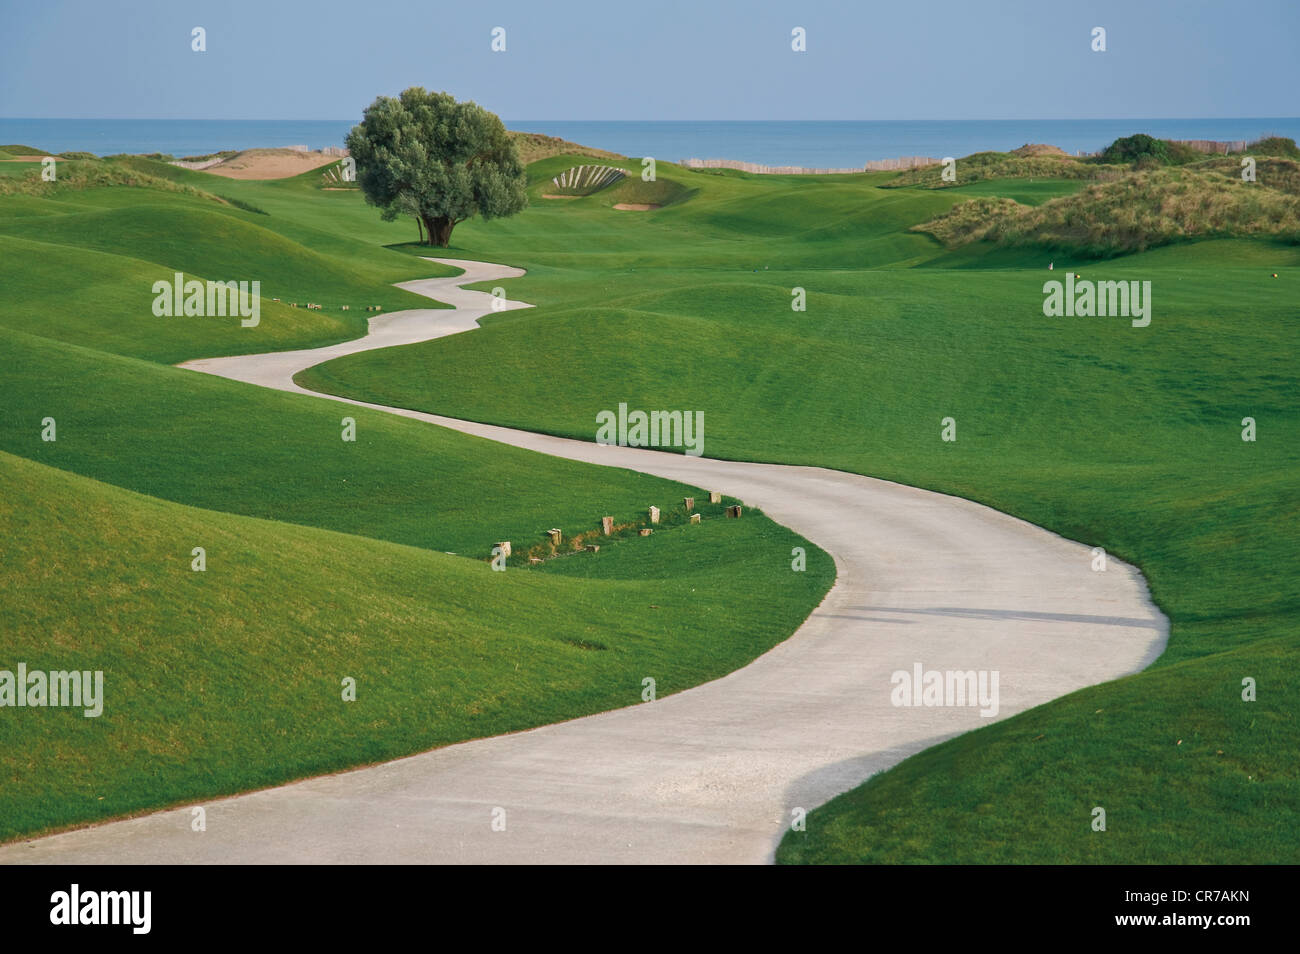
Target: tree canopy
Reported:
point(424, 154)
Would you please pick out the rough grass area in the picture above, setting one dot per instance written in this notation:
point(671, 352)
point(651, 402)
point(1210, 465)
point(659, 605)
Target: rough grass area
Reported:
point(1139, 211)
point(533, 147)
point(1272, 172)
point(1004, 165)
point(76, 175)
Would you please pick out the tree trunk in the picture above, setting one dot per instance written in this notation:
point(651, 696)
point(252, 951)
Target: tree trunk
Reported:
point(439, 230)
point(419, 224)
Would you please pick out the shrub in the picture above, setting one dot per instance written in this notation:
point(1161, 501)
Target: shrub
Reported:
point(1136, 147)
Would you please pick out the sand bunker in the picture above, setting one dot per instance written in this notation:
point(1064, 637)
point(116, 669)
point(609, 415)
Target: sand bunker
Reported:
point(637, 206)
point(270, 164)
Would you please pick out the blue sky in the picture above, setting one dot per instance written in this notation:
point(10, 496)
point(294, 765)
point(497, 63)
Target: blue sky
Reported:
point(621, 59)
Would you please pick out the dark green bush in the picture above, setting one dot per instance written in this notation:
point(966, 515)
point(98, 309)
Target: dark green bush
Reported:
point(1136, 147)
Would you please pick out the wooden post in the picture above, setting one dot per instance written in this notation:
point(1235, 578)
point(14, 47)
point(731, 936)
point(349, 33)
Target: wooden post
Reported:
point(654, 514)
point(606, 525)
point(689, 503)
point(715, 497)
point(695, 518)
point(555, 535)
point(733, 511)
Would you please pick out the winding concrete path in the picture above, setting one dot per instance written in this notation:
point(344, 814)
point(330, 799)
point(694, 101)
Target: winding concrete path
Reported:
point(712, 774)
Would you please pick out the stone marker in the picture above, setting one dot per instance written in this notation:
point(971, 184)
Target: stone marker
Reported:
point(505, 547)
point(689, 502)
point(646, 531)
point(715, 497)
point(554, 534)
point(654, 514)
point(606, 525)
point(733, 511)
point(695, 518)
point(593, 547)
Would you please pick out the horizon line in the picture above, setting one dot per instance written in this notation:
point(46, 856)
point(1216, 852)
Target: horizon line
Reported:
point(558, 120)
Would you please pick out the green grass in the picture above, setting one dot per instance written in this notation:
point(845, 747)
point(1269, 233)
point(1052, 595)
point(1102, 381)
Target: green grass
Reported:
point(196, 439)
point(231, 679)
point(1119, 437)
point(370, 557)
point(1182, 766)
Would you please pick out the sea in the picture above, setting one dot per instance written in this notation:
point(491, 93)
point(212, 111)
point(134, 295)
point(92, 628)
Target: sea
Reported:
point(816, 144)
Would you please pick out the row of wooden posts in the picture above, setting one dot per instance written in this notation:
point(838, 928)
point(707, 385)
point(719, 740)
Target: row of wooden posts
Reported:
point(607, 523)
point(316, 307)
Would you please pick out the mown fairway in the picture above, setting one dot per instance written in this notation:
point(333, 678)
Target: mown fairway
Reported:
point(1124, 438)
point(325, 559)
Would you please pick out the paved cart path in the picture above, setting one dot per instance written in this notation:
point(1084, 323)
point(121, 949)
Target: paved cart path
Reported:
point(711, 774)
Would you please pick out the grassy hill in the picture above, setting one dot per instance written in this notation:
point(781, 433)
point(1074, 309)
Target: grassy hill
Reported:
point(534, 147)
point(1132, 214)
point(325, 558)
point(231, 679)
point(1124, 438)
point(982, 166)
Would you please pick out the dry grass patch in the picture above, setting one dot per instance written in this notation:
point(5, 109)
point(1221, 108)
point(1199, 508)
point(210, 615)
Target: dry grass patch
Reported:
point(1140, 211)
point(534, 146)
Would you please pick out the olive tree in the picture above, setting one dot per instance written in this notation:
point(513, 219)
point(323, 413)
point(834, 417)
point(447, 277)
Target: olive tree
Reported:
point(427, 155)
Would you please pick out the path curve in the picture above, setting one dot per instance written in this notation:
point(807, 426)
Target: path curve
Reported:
point(711, 774)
